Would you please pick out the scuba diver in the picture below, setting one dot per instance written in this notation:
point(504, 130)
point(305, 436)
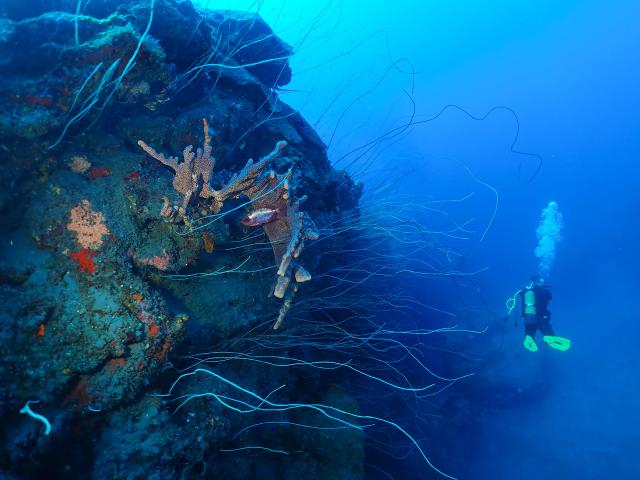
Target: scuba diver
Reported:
point(535, 299)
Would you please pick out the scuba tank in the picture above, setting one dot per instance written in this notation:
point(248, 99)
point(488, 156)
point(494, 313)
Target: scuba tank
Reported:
point(529, 299)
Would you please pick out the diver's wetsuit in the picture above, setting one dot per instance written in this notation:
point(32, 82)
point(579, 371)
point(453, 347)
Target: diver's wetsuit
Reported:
point(541, 320)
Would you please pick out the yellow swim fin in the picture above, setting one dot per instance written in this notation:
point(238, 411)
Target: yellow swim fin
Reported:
point(530, 344)
point(559, 343)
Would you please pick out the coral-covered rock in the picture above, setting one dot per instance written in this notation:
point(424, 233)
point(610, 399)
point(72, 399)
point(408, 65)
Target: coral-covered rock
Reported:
point(102, 298)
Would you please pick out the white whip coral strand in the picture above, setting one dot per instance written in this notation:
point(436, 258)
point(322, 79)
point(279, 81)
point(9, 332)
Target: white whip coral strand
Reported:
point(27, 409)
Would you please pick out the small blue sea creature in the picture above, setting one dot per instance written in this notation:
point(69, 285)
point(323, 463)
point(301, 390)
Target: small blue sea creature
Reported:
point(27, 409)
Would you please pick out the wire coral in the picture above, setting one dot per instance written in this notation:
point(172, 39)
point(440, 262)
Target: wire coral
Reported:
point(88, 225)
point(286, 226)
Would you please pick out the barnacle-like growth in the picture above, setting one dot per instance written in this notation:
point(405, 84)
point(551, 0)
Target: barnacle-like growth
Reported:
point(287, 227)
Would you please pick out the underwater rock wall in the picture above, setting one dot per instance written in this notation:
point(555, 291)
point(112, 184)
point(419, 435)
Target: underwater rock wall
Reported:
point(91, 322)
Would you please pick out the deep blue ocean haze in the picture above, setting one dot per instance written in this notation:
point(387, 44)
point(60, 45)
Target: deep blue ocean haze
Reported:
point(570, 71)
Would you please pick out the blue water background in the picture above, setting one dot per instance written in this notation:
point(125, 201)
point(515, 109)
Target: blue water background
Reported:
point(570, 70)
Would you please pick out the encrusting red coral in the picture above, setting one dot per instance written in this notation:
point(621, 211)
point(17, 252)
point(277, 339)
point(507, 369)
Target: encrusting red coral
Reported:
point(80, 395)
point(162, 353)
point(135, 175)
point(161, 262)
point(85, 261)
point(114, 364)
point(153, 329)
point(98, 172)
